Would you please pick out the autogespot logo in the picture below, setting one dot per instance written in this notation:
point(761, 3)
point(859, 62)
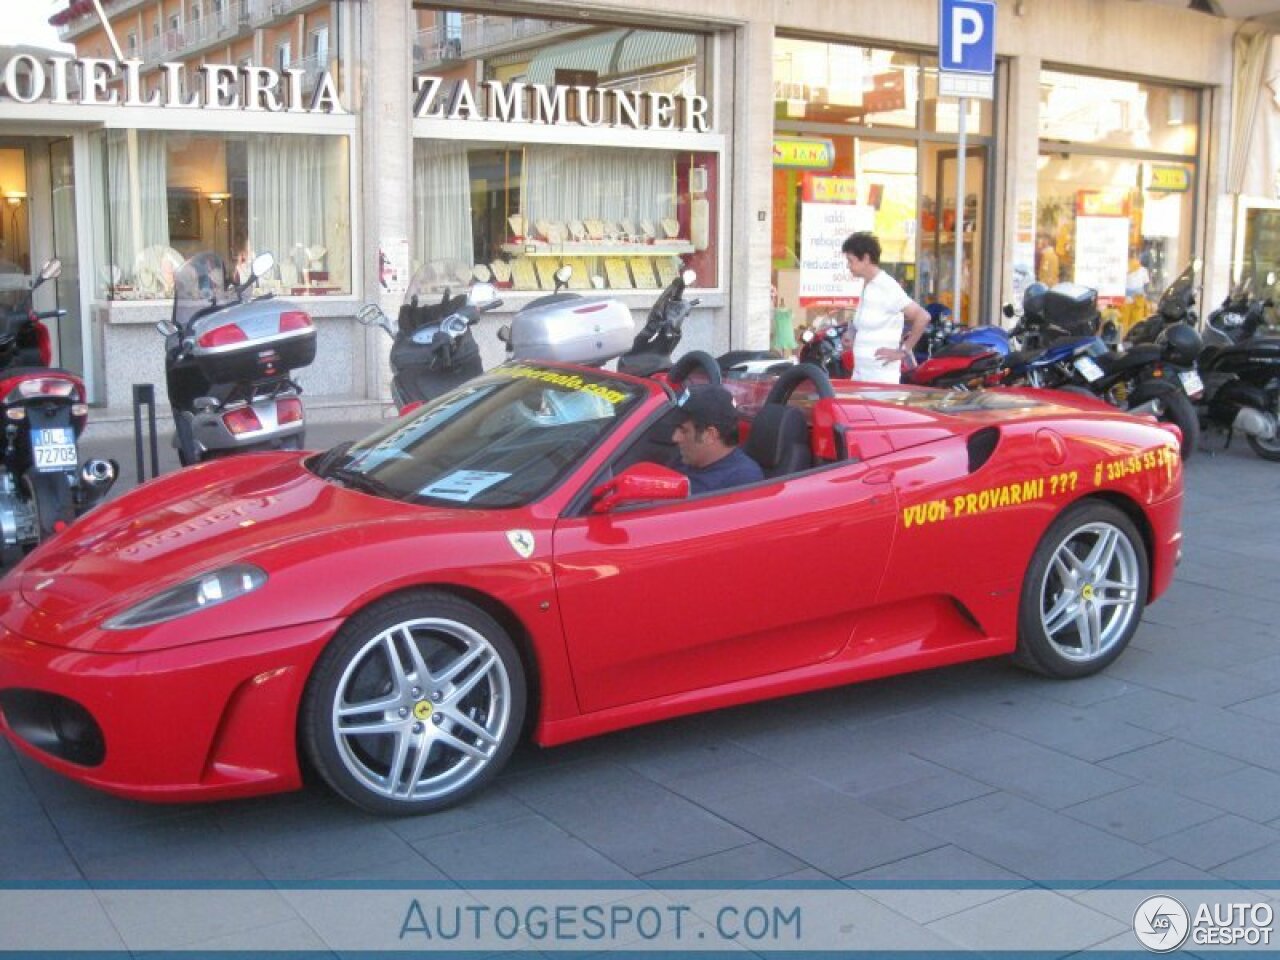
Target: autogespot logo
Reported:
point(1161, 923)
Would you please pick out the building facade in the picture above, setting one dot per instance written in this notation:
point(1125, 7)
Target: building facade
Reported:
point(389, 146)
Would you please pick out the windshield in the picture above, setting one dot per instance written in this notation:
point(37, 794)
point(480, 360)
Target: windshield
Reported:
point(436, 278)
point(1179, 295)
point(199, 282)
point(500, 440)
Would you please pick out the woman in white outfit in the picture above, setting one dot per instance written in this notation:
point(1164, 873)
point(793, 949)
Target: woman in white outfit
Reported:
point(876, 332)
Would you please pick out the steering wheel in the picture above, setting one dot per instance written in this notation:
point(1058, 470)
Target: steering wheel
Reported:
point(694, 360)
point(786, 384)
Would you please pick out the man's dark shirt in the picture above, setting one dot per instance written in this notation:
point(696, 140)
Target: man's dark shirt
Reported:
point(734, 470)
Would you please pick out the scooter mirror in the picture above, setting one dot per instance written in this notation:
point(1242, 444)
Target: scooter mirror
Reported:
point(263, 263)
point(1007, 310)
point(564, 274)
point(482, 293)
point(51, 270)
point(369, 314)
point(688, 277)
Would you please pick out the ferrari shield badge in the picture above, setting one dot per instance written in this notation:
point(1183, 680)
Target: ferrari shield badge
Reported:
point(521, 542)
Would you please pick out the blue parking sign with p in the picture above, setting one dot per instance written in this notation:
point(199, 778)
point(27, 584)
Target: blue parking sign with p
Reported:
point(967, 36)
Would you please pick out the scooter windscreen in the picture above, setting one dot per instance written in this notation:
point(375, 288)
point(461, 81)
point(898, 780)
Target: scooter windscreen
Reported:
point(1178, 297)
point(421, 308)
point(199, 284)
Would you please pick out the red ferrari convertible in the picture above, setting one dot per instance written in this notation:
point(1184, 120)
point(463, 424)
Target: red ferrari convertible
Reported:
point(516, 558)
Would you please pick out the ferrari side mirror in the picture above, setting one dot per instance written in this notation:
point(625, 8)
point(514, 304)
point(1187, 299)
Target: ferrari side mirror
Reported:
point(641, 483)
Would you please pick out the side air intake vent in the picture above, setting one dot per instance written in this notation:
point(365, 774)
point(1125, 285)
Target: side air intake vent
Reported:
point(982, 443)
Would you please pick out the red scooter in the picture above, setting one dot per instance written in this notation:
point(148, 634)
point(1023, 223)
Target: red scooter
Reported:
point(43, 488)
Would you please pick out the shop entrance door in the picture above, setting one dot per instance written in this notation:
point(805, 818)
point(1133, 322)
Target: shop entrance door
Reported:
point(38, 222)
point(941, 240)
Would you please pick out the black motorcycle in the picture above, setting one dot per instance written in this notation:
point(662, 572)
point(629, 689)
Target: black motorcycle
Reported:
point(433, 349)
point(43, 487)
point(1176, 305)
point(1240, 365)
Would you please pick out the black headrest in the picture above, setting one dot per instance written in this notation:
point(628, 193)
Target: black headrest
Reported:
point(779, 439)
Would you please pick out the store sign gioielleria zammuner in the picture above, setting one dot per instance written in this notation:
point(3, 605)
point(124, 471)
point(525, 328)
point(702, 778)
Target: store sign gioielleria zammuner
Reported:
point(96, 81)
point(557, 105)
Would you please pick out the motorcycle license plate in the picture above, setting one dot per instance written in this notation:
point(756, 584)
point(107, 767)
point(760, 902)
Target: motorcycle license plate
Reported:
point(1088, 368)
point(1191, 382)
point(54, 449)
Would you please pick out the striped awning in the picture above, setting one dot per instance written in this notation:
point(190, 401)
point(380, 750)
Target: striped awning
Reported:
point(613, 53)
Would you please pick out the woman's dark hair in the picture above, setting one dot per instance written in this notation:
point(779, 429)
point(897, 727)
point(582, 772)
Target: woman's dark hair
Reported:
point(862, 244)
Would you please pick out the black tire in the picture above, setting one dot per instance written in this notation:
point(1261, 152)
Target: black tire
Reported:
point(1072, 601)
point(51, 500)
point(1178, 410)
point(443, 763)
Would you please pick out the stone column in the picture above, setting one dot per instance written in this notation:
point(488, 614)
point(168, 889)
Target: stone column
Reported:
point(750, 313)
point(1018, 147)
point(385, 60)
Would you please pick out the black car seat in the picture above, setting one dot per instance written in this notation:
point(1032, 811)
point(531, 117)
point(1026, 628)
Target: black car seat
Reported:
point(779, 440)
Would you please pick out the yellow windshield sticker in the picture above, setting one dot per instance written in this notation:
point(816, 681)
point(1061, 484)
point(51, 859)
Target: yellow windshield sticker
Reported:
point(570, 381)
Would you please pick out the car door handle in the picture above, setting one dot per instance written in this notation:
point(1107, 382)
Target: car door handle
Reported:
point(878, 475)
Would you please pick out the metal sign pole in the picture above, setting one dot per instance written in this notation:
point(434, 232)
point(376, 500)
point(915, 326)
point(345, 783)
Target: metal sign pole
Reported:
point(958, 276)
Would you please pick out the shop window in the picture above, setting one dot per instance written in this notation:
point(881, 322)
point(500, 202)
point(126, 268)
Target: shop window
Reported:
point(1260, 260)
point(1128, 114)
point(168, 196)
point(894, 173)
point(1120, 226)
point(284, 55)
point(843, 83)
point(623, 219)
point(1119, 222)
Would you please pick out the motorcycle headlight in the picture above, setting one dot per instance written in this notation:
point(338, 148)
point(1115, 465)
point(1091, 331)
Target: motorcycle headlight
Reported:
point(198, 593)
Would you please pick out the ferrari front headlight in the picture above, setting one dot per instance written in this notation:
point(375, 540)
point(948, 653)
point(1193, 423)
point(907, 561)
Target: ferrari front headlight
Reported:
point(198, 593)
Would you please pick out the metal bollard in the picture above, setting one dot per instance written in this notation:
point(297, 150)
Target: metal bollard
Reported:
point(145, 394)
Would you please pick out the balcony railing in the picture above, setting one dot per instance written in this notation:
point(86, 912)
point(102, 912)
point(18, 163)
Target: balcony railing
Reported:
point(264, 11)
point(478, 33)
point(314, 66)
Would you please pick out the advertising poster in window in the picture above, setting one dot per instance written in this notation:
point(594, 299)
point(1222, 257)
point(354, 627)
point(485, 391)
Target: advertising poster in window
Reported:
point(1102, 255)
point(828, 214)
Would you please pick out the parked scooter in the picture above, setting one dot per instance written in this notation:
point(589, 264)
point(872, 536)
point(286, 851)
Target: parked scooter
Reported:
point(228, 361)
point(1176, 305)
point(823, 345)
point(43, 488)
point(433, 349)
point(1241, 371)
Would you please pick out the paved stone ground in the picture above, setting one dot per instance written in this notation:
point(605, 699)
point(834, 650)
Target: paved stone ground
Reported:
point(1164, 768)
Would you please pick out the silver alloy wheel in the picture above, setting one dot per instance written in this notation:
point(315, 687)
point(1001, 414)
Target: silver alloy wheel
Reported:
point(1089, 594)
point(421, 709)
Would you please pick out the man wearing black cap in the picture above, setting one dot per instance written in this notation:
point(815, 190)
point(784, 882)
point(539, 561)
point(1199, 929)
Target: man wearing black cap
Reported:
point(707, 436)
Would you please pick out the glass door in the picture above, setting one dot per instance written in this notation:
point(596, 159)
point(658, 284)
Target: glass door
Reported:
point(68, 345)
point(940, 237)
